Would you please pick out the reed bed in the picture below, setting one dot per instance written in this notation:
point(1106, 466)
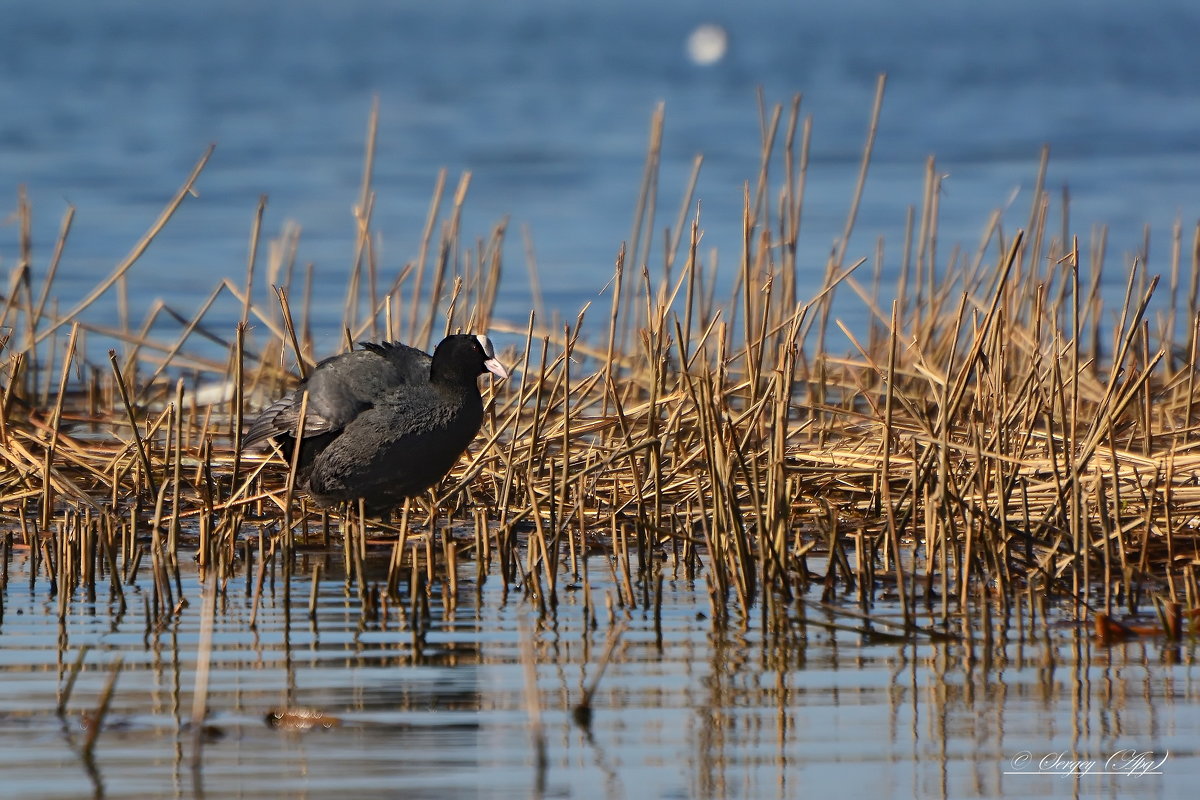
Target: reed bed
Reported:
point(996, 437)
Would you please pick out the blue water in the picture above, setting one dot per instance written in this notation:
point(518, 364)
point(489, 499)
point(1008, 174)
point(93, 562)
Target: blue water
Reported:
point(690, 709)
point(106, 107)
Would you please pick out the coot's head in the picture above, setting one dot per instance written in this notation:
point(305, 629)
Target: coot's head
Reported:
point(463, 357)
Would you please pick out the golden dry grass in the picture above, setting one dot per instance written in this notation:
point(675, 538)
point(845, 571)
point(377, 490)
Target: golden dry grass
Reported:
point(996, 433)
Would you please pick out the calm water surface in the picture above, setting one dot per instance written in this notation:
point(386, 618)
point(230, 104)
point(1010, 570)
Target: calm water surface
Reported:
point(688, 710)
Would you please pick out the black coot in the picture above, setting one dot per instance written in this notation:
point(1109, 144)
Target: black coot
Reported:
point(391, 424)
point(339, 389)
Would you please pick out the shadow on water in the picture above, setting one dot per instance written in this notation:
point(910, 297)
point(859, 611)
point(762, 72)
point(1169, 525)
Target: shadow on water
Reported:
point(365, 701)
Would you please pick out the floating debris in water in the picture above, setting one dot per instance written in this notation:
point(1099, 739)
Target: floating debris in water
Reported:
point(301, 720)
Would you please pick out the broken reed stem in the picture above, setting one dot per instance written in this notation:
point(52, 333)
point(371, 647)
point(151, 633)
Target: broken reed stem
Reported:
point(143, 456)
point(55, 423)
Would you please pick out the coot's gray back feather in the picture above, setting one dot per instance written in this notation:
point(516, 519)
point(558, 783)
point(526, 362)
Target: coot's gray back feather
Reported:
point(339, 389)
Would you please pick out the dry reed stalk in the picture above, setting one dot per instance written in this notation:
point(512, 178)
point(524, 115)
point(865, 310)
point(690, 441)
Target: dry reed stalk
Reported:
point(138, 442)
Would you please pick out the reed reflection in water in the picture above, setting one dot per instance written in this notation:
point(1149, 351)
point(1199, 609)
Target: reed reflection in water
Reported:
point(375, 705)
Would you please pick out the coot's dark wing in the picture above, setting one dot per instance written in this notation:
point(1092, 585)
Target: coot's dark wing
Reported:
point(273, 420)
point(281, 418)
point(339, 389)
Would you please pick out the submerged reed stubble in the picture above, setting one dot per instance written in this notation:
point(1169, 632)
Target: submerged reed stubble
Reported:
point(992, 435)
